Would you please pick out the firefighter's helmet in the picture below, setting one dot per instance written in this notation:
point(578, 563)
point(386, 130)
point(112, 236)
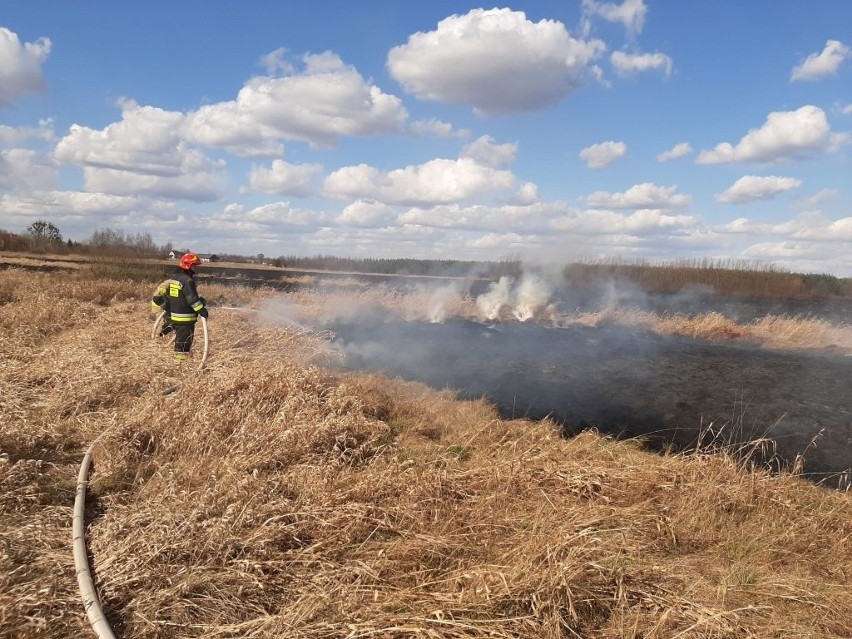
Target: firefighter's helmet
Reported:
point(188, 261)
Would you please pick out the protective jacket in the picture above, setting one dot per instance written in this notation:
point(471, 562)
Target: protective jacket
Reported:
point(184, 303)
point(160, 299)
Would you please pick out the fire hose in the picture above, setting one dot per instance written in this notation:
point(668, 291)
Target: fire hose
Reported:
point(89, 594)
point(158, 325)
point(206, 343)
point(81, 561)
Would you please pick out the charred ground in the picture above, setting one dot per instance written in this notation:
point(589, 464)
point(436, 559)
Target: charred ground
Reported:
point(628, 383)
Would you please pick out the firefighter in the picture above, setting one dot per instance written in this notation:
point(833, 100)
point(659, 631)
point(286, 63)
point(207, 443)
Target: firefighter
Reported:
point(185, 306)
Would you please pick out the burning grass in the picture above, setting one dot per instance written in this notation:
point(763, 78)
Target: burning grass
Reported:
point(797, 332)
point(272, 497)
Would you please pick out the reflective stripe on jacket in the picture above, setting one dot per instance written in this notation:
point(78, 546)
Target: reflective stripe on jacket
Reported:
point(184, 303)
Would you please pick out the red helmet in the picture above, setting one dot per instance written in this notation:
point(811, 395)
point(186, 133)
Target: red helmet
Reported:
point(188, 261)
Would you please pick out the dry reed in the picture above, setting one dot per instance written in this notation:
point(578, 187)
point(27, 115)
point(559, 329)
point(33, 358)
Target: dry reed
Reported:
point(271, 496)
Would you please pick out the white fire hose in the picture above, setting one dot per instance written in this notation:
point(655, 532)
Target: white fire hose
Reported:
point(81, 560)
point(158, 325)
point(206, 343)
point(78, 527)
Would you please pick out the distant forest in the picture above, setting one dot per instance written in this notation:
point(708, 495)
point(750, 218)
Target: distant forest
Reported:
point(404, 266)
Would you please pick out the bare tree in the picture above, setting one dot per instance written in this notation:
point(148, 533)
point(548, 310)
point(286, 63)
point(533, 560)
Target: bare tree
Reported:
point(113, 242)
point(43, 235)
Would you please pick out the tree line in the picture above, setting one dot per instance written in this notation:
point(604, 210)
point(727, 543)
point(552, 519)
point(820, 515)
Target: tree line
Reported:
point(403, 266)
point(43, 236)
point(723, 277)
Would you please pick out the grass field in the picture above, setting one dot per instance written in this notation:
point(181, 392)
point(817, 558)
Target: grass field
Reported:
point(270, 496)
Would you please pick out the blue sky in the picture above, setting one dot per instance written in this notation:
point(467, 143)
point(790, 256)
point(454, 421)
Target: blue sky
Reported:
point(558, 131)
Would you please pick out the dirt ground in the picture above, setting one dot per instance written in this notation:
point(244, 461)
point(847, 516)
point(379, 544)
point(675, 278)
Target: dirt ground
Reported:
point(667, 389)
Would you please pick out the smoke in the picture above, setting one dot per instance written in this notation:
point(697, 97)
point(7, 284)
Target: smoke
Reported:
point(491, 303)
point(529, 298)
point(536, 293)
point(611, 297)
point(440, 299)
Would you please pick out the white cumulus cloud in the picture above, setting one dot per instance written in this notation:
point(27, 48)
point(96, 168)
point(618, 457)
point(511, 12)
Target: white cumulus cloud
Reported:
point(820, 65)
point(499, 240)
point(391, 241)
point(600, 155)
point(24, 170)
point(20, 66)
point(677, 151)
point(198, 186)
point(146, 140)
point(234, 128)
point(438, 128)
point(640, 196)
point(438, 181)
point(276, 62)
point(630, 13)
point(488, 153)
point(524, 217)
point(627, 63)
point(327, 100)
point(10, 136)
point(526, 194)
point(275, 214)
point(143, 153)
point(751, 188)
point(283, 178)
point(366, 213)
point(784, 135)
point(496, 60)
point(56, 205)
point(643, 222)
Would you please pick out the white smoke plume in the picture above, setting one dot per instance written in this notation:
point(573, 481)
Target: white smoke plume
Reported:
point(611, 296)
point(526, 299)
point(531, 296)
point(499, 295)
point(439, 301)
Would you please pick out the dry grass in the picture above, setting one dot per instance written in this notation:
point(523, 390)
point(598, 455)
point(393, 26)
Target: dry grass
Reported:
point(40, 261)
point(271, 497)
point(771, 331)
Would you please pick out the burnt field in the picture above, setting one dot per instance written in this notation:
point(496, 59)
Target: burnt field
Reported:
point(628, 383)
point(776, 406)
